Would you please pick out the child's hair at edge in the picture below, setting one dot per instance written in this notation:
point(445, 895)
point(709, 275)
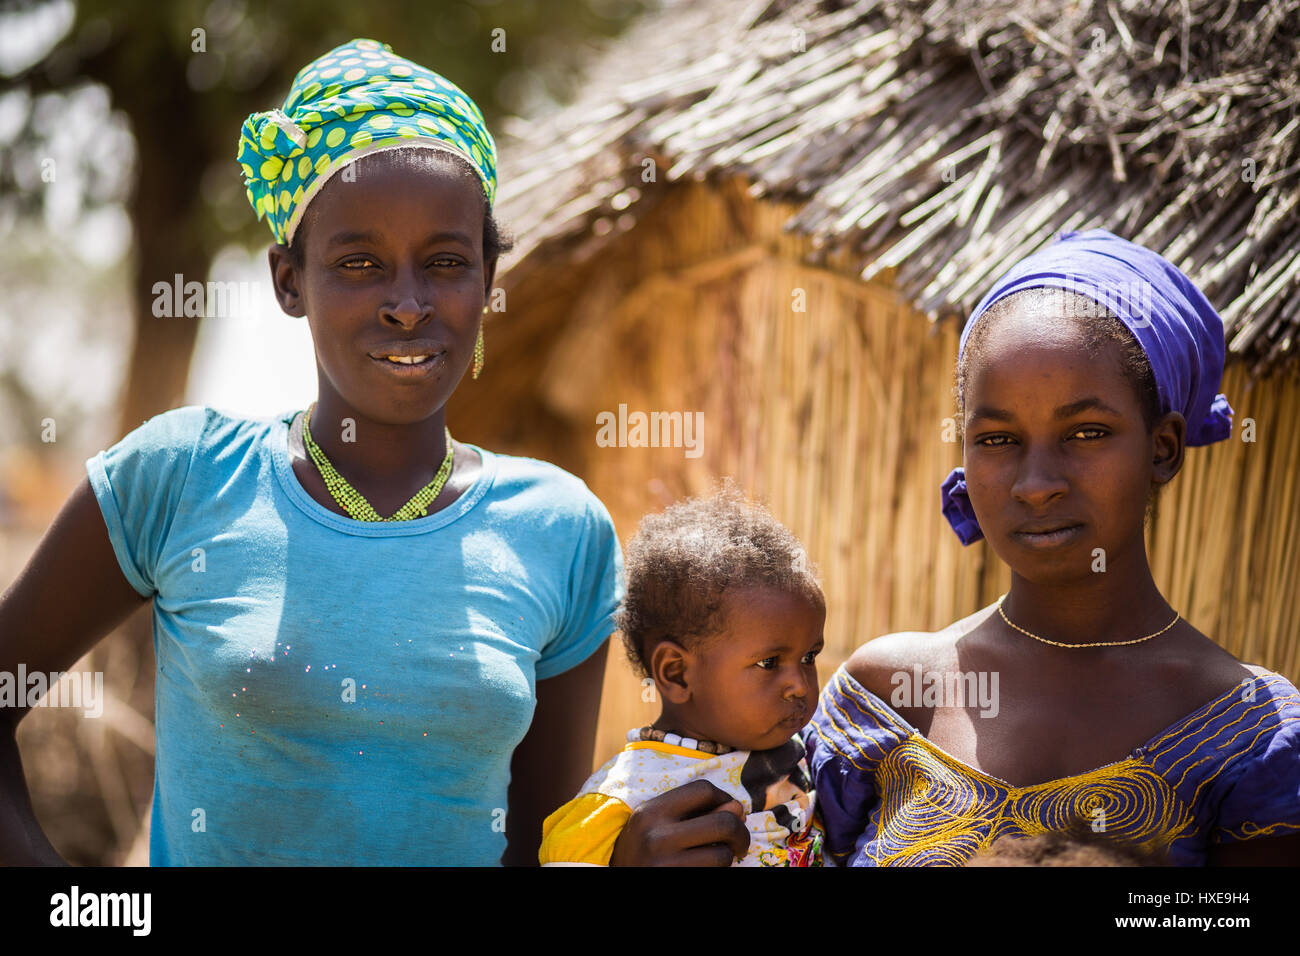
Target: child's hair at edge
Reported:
point(1076, 846)
point(681, 563)
point(496, 241)
point(1099, 326)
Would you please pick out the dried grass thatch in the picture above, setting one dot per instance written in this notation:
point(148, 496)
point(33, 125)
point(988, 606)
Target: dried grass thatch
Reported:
point(946, 139)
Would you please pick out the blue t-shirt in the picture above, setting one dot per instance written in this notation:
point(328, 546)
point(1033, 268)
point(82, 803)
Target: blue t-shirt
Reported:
point(332, 691)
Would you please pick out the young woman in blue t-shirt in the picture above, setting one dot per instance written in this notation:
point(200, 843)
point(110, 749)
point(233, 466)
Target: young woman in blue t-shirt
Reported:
point(364, 629)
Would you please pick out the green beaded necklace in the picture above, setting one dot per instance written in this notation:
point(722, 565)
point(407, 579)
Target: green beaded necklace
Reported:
point(354, 503)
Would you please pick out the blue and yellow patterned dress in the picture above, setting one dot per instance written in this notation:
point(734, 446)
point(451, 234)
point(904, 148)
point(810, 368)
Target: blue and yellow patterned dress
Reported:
point(886, 796)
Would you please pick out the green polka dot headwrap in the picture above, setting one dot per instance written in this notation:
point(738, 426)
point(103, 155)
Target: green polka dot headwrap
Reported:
point(357, 99)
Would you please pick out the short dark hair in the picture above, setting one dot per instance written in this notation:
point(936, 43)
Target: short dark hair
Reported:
point(681, 562)
point(1099, 326)
point(496, 241)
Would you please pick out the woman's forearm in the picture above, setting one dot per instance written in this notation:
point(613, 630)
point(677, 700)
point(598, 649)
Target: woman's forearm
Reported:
point(552, 762)
point(22, 841)
point(44, 631)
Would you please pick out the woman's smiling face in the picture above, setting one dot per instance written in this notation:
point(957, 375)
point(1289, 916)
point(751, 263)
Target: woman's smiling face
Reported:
point(1059, 461)
point(392, 265)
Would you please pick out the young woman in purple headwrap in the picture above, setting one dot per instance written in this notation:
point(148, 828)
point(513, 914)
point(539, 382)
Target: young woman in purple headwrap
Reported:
point(1082, 377)
point(1081, 699)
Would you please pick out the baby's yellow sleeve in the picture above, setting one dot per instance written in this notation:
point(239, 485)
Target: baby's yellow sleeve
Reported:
point(583, 831)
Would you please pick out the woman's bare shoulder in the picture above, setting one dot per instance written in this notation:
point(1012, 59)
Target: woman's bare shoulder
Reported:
point(874, 664)
point(1216, 658)
point(1201, 666)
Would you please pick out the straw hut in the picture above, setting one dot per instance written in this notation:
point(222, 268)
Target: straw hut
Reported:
point(777, 215)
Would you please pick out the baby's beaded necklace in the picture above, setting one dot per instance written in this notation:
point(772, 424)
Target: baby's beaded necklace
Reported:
point(677, 740)
point(355, 503)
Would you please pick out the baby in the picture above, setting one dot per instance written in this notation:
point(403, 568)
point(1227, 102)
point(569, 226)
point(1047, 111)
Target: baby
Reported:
point(724, 615)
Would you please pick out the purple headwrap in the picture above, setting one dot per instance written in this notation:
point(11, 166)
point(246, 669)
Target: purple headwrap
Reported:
point(1171, 319)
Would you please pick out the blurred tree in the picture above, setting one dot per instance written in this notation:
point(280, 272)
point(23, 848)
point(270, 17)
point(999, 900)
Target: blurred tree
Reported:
point(185, 74)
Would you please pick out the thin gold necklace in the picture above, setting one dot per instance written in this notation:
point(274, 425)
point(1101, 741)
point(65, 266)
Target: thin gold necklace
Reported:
point(1096, 644)
point(355, 503)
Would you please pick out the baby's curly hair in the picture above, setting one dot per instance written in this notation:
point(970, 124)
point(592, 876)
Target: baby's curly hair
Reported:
point(681, 562)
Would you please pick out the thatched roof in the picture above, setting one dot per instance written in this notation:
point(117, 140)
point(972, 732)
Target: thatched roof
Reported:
point(946, 139)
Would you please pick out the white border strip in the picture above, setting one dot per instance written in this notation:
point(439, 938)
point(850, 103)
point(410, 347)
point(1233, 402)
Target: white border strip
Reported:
point(414, 142)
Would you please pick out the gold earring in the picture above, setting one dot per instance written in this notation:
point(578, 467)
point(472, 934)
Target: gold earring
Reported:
point(478, 353)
